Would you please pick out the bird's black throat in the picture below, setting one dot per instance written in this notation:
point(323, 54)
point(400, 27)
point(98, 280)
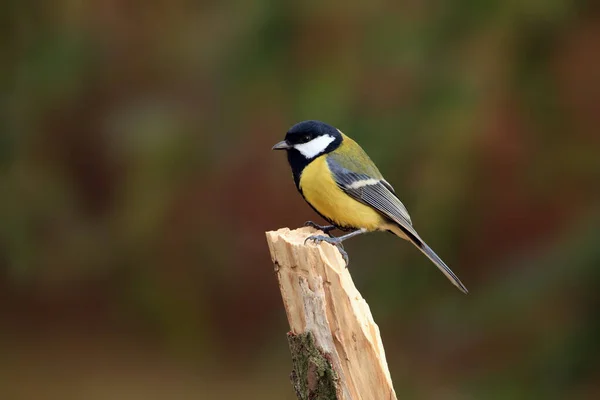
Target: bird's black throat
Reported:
point(297, 162)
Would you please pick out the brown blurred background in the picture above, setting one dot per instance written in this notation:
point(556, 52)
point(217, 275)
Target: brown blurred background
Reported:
point(137, 180)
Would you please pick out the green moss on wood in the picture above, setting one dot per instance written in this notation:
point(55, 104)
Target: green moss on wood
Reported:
point(313, 376)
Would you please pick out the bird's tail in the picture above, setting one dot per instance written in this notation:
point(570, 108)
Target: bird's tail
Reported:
point(410, 235)
point(440, 264)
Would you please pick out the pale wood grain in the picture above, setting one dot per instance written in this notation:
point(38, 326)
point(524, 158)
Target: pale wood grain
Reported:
point(319, 296)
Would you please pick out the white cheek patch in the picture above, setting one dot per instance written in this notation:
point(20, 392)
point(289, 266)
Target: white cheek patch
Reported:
point(315, 146)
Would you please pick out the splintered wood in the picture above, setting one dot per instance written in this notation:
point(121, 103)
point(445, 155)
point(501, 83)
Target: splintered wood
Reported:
point(321, 300)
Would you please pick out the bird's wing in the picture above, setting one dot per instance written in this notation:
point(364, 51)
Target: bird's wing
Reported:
point(377, 193)
point(364, 183)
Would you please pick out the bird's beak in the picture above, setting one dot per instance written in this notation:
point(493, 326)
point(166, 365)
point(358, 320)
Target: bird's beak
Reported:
point(283, 145)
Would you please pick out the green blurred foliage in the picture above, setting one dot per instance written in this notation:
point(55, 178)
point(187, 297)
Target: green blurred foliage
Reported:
point(137, 181)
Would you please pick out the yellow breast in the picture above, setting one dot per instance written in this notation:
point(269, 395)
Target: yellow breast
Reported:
point(321, 191)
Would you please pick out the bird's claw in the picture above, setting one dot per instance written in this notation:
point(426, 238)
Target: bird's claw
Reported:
point(324, 228)
point(344, 254)
point(318, 239)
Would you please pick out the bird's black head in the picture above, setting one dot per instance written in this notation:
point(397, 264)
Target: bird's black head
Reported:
point(306, 141)
point(311, 139)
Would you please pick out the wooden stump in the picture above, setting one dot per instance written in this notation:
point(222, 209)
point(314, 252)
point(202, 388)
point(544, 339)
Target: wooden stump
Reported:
point(336, 348)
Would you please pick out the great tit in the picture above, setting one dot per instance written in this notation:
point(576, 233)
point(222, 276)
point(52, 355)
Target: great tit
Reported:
point(341, 183)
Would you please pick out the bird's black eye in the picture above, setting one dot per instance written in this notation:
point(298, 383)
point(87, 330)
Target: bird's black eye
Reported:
point(306, 138)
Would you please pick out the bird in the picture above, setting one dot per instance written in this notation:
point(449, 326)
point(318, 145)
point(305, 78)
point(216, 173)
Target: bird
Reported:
point(336, 177)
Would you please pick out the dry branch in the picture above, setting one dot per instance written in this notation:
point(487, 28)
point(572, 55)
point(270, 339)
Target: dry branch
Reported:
point(336, 347)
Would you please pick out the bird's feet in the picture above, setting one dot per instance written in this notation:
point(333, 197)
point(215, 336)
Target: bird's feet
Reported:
point(332, 240)
point(324, 228)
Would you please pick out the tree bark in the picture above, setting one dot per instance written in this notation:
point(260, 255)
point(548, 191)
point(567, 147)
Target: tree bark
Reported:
point(336, 347)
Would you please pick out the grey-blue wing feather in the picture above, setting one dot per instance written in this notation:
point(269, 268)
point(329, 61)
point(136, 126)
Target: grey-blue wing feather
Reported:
point(378, 193)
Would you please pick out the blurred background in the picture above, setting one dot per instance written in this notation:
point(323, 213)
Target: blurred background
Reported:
point(137, 181)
